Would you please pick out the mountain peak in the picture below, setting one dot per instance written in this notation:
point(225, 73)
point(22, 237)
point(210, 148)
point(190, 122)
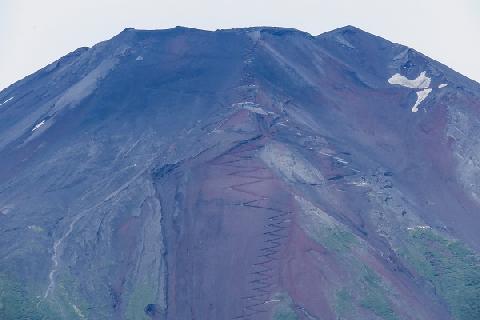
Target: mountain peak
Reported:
point(347, 31)
point(250, 173)
point(347, 28)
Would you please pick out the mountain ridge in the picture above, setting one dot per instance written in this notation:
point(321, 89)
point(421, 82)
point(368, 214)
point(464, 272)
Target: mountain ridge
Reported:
point(258, 173)
point(326, 34)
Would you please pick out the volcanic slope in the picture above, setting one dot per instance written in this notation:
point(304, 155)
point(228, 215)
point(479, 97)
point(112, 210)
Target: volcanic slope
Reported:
point(252, 174)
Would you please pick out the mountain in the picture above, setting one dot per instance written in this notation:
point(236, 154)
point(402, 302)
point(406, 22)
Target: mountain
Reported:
point(258, 173)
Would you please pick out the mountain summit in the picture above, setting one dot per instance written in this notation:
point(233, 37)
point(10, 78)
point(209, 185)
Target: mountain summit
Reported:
point(258, 173)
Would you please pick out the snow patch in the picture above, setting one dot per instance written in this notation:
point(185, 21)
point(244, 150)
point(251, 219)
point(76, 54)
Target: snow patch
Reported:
point(6, 101)
point(340, 160)
point(38, 125)
point(421, 96)
point(421, 82)
point(443, 85)
point(272, 300)
point(419, 228)
point(358, 183)
point(244, 104)
point(336, 158)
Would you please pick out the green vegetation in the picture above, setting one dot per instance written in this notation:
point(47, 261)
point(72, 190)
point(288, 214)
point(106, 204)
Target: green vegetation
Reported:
point(284, 310)
point(374, 296)
point(67, 298)
point(36, 228)
point(17, 304)
point(451, 268)
point(140, 297)
point(343, 303)
point(337, 239)
point(325, 230)
point(368, 292)
point(285, 313)
point(366, 289)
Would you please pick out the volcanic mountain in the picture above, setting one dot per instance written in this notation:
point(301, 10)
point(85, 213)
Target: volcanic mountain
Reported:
point(258, 173)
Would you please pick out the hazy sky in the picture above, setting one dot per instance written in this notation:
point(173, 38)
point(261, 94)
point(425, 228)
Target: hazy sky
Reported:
point(34, 33)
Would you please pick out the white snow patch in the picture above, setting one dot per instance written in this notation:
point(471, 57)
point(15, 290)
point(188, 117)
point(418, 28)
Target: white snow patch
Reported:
point(421, 95)
point(139, 58)
point(325, 154)
point(443, 85)
point(421, 82)
point(419, 227)
point(337, 158)
point(358, 183)
point(38, 125)
point(272, 300)
point(6, 101)
point(340, 160)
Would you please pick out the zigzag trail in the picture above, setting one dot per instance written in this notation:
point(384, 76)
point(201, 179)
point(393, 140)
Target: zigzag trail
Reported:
point(261, 282)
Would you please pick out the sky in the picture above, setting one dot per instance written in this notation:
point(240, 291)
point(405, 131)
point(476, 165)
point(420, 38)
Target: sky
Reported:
point(35, 33)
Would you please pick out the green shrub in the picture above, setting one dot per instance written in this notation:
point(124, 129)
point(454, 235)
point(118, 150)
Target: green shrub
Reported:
point(451, 268)
point(17, 304)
